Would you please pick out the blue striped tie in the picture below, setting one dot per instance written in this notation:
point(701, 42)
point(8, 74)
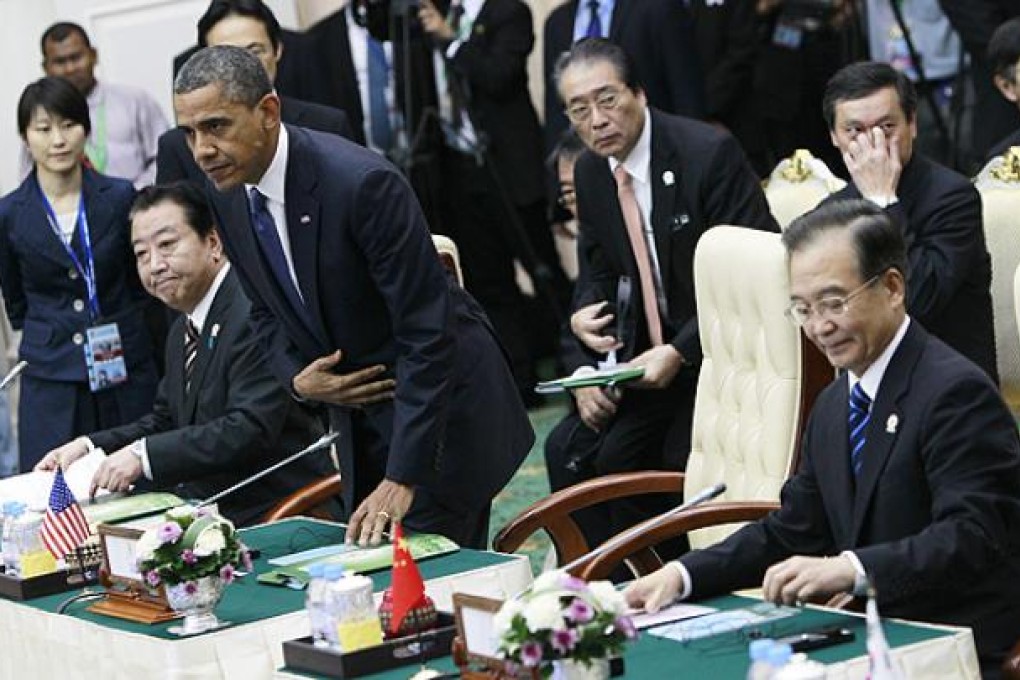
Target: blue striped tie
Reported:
point(860, 407)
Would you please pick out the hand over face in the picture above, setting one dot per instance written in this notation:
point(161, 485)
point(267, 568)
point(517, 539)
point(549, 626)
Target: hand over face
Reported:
point(318, 382)
point(389, 502)
point(808, 579)
point(433, 23)
point(874, 163)
point(589, 324)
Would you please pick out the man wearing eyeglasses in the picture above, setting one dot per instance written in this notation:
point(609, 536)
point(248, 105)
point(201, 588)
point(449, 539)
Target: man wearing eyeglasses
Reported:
point(647, 187)
point(871, 109)
point(910, 475)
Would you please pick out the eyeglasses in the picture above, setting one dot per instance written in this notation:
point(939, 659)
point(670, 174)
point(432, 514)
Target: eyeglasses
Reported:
point(827, 308)
point(606, 101)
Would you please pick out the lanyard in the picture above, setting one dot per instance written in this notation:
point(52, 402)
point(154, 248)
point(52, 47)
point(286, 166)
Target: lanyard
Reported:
point(87, 269)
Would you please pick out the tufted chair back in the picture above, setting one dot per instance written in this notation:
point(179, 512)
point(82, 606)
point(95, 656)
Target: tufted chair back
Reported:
point(999, 185)
point(747, 411)
point(797, 185)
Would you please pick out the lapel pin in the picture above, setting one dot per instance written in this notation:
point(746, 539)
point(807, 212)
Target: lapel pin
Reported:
point(668, 178)
point(306, 219)
point(892, 423)
point(212, 335)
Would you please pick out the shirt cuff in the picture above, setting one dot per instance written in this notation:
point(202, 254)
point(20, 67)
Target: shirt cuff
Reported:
point(141, 450)
point(860, 577)
point(884, 201)
point(685, 578)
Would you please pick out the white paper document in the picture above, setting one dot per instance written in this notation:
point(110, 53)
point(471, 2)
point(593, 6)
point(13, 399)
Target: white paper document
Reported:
point(33, 488)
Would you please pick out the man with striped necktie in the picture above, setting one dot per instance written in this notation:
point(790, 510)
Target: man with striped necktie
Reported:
point(910, 472)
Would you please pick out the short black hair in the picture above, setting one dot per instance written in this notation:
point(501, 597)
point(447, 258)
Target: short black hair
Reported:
point(255, 9)
point(599, 49)
point(876, 238)
point(569, 147)
point(240, 75)
point(1004, 49)
point(862, 79)
point(59, 32)
point(57, 97)
point(197, 213)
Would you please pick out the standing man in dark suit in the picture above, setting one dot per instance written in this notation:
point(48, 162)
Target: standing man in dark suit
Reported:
point(220, 414)
point(647, 189)
point(657, 35)
point(249, 24)
point(330, 243)
point(491, 161)
point(871, 111)
point(910, 476)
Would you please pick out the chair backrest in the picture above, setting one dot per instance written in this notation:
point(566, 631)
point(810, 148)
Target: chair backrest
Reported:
point(999, 185)
point(749, 405)
point(798, 184)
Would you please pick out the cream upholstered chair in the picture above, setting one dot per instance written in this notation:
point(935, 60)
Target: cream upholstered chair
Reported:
point(758, 380)
point(797, 185)
point(999, 185)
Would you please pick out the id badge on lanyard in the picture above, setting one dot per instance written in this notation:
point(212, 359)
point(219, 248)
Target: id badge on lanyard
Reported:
point(104, 351)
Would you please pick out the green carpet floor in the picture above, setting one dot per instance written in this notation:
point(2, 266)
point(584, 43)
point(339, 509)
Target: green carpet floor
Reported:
point(530, 483)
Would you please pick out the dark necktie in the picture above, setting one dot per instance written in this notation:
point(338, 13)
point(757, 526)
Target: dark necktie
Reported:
point(453, 85)
point(595, 23)
point(269, 240)
point(190, 351)
point(379, 111)
point(860, 415)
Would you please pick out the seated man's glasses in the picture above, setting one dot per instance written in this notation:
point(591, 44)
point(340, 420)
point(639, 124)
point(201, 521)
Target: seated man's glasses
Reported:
point(828, 307)
point(606, 101)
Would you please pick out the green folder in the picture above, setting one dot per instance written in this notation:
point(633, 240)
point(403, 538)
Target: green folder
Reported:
point(108, 510)
point(606, 377)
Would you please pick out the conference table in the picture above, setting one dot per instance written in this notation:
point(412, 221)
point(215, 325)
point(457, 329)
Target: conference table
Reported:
point(37, 642)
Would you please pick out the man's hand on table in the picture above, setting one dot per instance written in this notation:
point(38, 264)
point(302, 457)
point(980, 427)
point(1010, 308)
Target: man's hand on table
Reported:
point(388, 503)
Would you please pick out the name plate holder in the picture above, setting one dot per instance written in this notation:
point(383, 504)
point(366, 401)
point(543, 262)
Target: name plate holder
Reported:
point(128, 596)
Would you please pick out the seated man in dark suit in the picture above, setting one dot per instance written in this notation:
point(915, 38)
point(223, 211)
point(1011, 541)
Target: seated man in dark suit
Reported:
point(910, 476)
point(249, 24)
point(220, 415)
point(1004, 57)
point(871, 111)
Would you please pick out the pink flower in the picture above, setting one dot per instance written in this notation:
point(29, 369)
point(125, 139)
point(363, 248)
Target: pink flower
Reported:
point(573, 583)
point(188, 555)
point(246, 559)
point(580, 611)
point(227, 573)
point(626, 626)
point(564, 640)
point(152, 578)
point(190, 587)
point(202, 512)
point(531, 654)
point(169, 532)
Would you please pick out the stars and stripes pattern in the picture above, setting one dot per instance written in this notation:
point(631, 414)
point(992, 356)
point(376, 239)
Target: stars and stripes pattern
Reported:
point(64, 526)
point(860, 416)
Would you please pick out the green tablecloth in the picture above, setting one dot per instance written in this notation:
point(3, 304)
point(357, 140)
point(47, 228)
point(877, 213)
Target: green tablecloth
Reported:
point(725, 655)
point(246, 601)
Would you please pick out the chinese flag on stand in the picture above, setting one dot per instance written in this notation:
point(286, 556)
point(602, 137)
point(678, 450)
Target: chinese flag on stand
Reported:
point(407, 589)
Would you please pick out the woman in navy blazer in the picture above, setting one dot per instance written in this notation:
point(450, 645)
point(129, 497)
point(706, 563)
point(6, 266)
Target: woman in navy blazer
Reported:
point(49, 226)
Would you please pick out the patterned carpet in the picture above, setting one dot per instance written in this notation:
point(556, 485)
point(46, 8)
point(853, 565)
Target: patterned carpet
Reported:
point(530, 483)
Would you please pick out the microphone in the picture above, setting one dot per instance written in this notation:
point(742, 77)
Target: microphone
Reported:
point(321, 443)
point(12, 374)
point(704, 495)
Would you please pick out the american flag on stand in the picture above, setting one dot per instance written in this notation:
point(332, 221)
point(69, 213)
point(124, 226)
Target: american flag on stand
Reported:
point(64, 527)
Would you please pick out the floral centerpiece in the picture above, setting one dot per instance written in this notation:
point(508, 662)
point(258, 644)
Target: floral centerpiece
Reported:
point(193, 554)
point(564, 619)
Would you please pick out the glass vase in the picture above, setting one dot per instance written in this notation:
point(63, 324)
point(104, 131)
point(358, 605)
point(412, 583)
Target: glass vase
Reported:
point(573, 669)
point(196, 600)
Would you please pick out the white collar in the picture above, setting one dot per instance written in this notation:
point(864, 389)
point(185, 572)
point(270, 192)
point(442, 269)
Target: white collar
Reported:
point(639, 161)
point(201, 311)
point(873, 374)
point(273, 184)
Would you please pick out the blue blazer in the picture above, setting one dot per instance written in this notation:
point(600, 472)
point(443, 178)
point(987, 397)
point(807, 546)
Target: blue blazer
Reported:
point(42, 287)
point(373, 287)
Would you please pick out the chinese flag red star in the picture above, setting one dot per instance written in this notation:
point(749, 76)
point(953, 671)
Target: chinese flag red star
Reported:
point(408, 590)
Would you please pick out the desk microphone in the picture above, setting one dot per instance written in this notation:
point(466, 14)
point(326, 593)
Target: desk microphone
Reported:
point(12, 374)
point(705, 495)
point(321, 443)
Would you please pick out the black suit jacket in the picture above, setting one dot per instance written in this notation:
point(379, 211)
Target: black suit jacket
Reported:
point(658, 36)
point(492, 68)
point(700, 178)
point(933, 515)
point(174, 160)
point(373, 287)
point(950, 277)
point(234, 421)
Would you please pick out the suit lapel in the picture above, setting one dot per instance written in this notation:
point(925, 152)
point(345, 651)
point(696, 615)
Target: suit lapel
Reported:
point(208, 345)
point(885, 423)
point(665, 181)
point(621, 13)
point(35, 228)
point(98, 211)
point(841, 491)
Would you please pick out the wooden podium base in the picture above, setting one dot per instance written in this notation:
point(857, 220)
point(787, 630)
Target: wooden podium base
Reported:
point(124, 606)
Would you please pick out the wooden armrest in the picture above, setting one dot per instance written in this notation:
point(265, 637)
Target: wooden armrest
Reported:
point(1011, 666)
point(552, 514)
point(638, 550)
point(305, 500)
